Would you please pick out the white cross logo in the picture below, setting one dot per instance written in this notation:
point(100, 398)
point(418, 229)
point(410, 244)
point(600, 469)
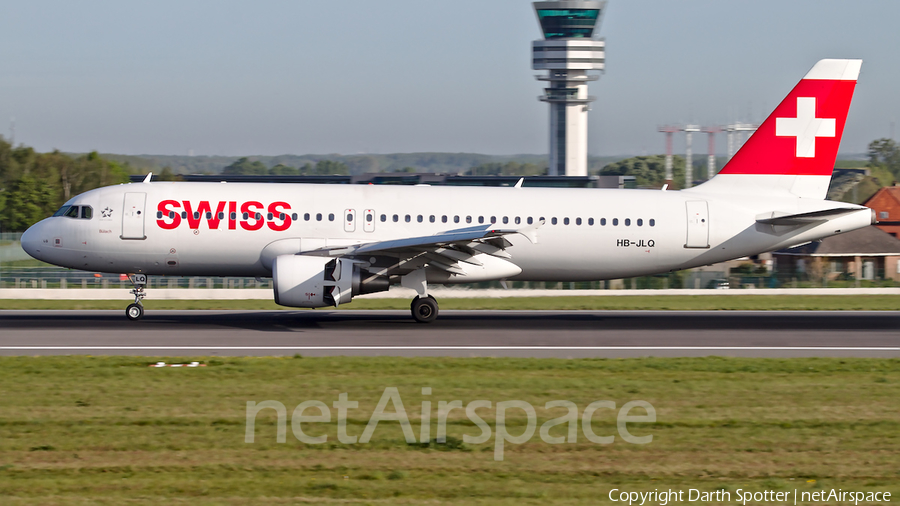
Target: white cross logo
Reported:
point(805, 127)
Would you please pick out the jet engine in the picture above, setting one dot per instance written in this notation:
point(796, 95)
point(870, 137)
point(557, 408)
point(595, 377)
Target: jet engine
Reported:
point(310, 281)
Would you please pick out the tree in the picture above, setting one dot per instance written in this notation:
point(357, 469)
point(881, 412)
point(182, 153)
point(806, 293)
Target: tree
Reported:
point(28, 200)
point(884, 153)
point(327, 167)
point(168, 174)
point(33, 185)
point(283, 170)
point(648, 171)
point(245, 166)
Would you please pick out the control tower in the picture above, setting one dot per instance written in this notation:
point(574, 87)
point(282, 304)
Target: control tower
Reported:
point(568, 51)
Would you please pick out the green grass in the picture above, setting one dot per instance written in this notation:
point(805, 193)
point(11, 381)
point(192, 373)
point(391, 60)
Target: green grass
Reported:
point(659, 302)
point(110, 430)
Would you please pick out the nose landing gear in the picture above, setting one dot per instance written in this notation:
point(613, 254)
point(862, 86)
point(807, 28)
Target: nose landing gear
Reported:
point(135, 311)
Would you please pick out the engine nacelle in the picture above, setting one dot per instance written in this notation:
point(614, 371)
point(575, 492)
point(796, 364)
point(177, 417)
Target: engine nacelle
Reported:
point(309, 281)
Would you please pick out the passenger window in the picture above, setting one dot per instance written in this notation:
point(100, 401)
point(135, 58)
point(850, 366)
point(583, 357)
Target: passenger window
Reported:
point(383, 218)
point(553, 220)
point(330, 216)
point(652, 222)
point(268, 216)
point(456, 219)
point(591, 221)
point(615, 222)
point(370, 217)
point(159, 215)
point(396, 218)
point(565, 221)
point(578, 221)
point(172, 215)
point(419, 218)
point(294, 216)
point(184, 215)
point(481, 219)
point(408, 218)
point(221, 216)
point(318, 216)
point(627, 222)
point(258, 216)
point(468, 219)
point(602, 222)
point(281, 216)
point(530, 220)
point(431, 218)
point(505, 220)
point(640, 222)
point(444, 219)
point(493, 219)
point(518, 220)
point(305, 216)
point(246, 216)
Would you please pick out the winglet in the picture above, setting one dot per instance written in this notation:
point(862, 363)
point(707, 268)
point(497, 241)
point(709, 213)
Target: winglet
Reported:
point(149, 175)
point(519, 183)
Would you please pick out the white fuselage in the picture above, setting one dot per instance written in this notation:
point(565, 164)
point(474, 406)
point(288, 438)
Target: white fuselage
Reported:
point(622, 233)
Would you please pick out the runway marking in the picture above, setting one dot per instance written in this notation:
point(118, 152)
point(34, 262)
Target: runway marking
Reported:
point(463, 348)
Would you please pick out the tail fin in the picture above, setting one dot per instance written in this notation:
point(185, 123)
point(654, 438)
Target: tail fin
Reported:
point(794, 149)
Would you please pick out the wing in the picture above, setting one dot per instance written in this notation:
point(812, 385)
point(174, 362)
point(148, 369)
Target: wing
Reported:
point(443, 251)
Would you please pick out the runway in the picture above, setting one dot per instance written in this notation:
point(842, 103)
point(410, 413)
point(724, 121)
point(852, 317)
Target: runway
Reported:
point(564, 334)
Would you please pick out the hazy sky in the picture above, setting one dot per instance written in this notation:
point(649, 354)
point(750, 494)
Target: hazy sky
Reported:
point(267, 77)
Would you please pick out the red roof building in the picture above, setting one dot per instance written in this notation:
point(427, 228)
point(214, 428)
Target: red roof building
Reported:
point(886, 204)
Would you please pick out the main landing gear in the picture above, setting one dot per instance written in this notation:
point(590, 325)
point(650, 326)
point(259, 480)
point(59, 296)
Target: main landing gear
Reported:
point(424, 309)
point(135, 311)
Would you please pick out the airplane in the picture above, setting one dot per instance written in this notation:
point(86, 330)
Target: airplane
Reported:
point(322, 245)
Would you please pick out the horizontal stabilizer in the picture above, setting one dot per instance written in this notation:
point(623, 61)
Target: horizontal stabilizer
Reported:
point(777, 218)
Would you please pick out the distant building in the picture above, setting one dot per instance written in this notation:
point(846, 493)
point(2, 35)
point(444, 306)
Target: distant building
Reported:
point(866, 253)
point(886, 204)
point(414, 178)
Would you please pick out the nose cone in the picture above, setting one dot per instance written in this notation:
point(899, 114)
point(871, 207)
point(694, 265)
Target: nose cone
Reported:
point(31, 241)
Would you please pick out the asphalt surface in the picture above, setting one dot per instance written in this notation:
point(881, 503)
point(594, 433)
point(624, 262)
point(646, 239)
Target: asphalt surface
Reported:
point(565, 334)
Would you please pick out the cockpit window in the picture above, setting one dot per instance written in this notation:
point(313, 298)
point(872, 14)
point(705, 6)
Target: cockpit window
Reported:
point(82, 212)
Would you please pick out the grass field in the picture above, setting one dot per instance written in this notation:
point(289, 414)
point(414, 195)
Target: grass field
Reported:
point(111, 430)
point(635, 302)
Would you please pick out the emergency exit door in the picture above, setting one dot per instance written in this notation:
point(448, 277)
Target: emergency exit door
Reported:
point(133, 216)
point(697, 224)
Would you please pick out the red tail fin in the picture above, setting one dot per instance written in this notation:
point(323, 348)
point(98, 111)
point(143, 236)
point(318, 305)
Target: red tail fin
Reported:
point(802, 135)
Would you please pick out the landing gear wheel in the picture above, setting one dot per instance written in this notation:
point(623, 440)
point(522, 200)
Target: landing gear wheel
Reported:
point(134, 312)
point(424, 309)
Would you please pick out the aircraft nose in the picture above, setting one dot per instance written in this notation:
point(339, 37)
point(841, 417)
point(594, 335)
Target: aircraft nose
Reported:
point(31, 241)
